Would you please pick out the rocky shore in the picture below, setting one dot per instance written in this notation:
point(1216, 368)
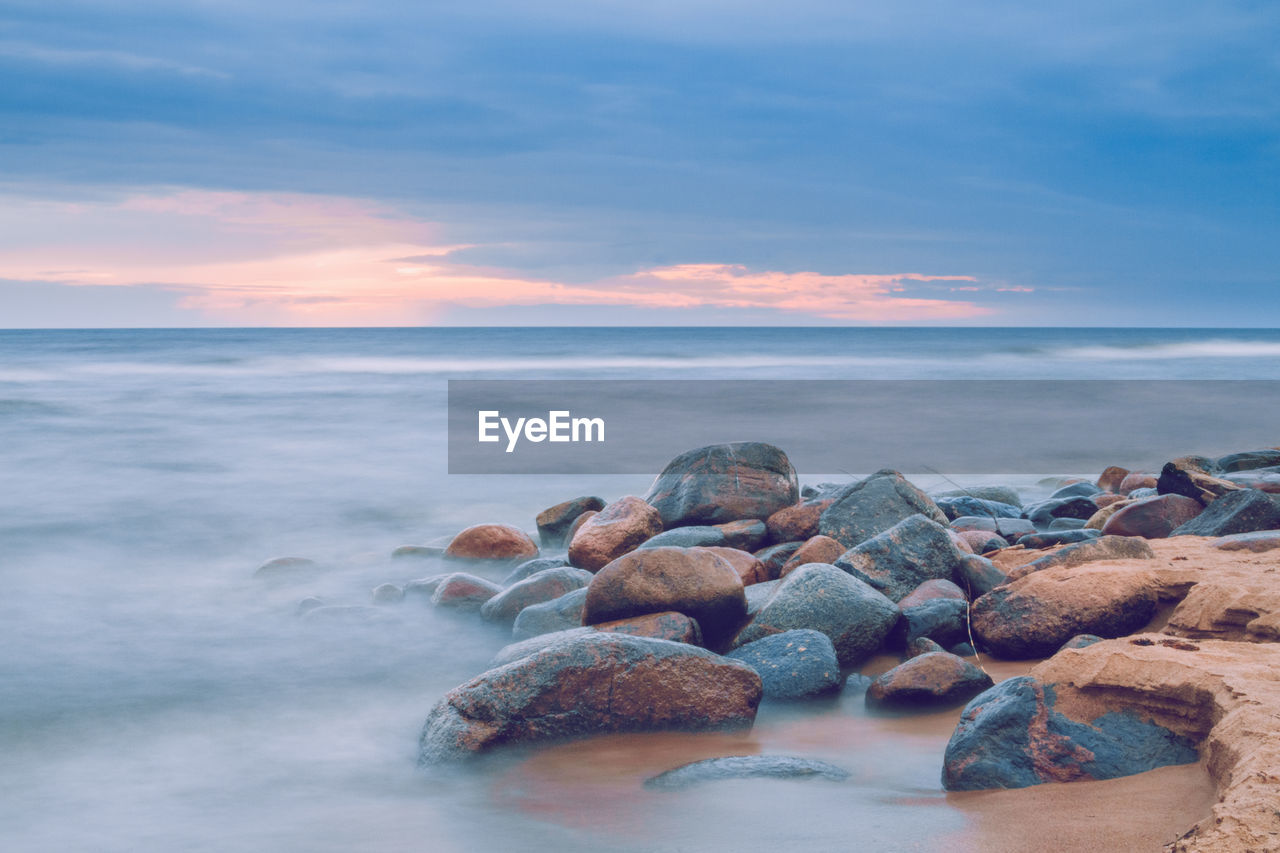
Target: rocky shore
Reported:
point(1153, 599)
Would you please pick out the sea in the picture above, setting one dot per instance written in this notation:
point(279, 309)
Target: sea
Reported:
point(156, 696)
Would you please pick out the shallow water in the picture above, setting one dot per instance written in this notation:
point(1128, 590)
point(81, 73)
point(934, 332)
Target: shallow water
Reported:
point(153, 696)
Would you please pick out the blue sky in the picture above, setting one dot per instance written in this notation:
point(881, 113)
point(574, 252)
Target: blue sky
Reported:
point(215, 163)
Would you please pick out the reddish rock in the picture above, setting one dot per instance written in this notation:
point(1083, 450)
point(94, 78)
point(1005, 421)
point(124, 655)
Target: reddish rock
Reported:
point(593, 684)
point(819, 549)
point(928, 681)
point(461, 591)
point(554, 523)
point(618, 528)
point(1153, 518)
point(1106, 499)
point(668, 625)
point(983, 541)
point(748, 566)
point(491, 542)
point(930, 590)
point(961, 543)
point(1136, 480)
point(745, 535)
point(797, 522)
point(724, 482)
point(1110, 479)
point(578, 522)
point(693, 581)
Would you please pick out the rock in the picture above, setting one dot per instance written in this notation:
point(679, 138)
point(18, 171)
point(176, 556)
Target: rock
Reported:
point(1106, 499)
point(592, 684)
point(963, 650)
point(1066, 524)
point(921, 646)
point(758, 594)
point(387, 593)
point(742, 535)
point(744, 767)
point(933, 680)
point(1007, 528)
point(530, 568)
point(776, 556)
point(523, 648)
point(1080, 641)
point(1248, 460)
point(745, 535)
point(554, 522)
point(417, 552)
point(423, 588)
point(461, 591)
point(1038, 541)
point(899, 559)
point(1153, 518)
point(1194, 477)
point(998, 494)
point(871, 506)
point(930, 590)
point(491, 542)
point(1137, 480)
point(668, 625)
point(1245, 511)
point(1257, 542)
point(978, 576)
point(982, 542)
point(856, 683)
point(821, 597)
point(748, 566)
point(693, 581)
point(1263, 480)
point(797, 522)
point(943, 620)
point(1012, 736)
point(1111, 478)
point(559, 614)
point(724, 482)
point(954, 508)
point(796, 664)
point(288, 570)
point(544, 586)
point(1138, 494)
point(613, 531)
point(1075, 490)
point(1043, 513)
point(1078, 553)
point(578, 522)
point(309, 603)
point(1032, 617)
point(1099, 518)
point(818, 549)
point(962, 544)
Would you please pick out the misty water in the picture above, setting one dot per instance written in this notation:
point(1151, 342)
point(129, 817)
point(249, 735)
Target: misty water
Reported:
point(155, 696)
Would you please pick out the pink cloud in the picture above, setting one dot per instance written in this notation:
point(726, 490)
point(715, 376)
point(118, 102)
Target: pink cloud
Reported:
point(313, 260)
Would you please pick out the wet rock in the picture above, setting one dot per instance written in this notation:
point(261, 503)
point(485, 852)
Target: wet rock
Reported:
point(668, 625)
point(1244, 511)
point(417, 552)
point(724, 482)
point(500, 542)
point(921, 646)
point(1135, 480)
point(745, 535)
point(529, 568)
point(744, 767)
point(461, 591)
point(1106, 499)
point(1049, 539)
point(1154, 518)
point(387, 593)
point(289, 570)
point(943, 620)
point(955, 508)
point(776, 556)
point(1010, 529)
point(978, 576)
point(693, 581)
point(1032, 617)
point(1078, 553)
point(527, 646)
point(544, 586)
point(1263, 480)
point(1110, 479)
point(591, 684)
point(818, 549)
point(930, 590)
point(615, 530)
point(899, 559)
point(1248, 460)
point(559, 614)
point(1081, 641)
point(1043, 513)
point(998, 494)
point(821, 597)
point(748, 566)
point(933, 680)
point(758, 594)
point(983, 542)
point(795, 664)
point(797, 522)
point(555, 522)
point(869, 507)
point(1257, 542)
point(1012, 736)
point(1194, 477)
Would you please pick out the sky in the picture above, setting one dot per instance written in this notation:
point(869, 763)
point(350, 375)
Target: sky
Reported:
point(701, 162)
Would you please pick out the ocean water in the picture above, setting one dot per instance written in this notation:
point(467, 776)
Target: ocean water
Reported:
point(154, 696)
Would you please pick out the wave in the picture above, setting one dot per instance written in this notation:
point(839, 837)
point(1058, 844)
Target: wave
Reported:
point(1216, 348)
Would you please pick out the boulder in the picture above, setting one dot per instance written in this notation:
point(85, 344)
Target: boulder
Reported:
point(744, 535)
point(1257, 542)
point(387, 593)
point(955, 508)
point(999, 494)
point(821, 597)
point(797, 522)
point(544, 586)
point(1139, 494)
point(559, 614)
point(1111, 478)
point(1075, 490)
point(1153, 518)
point(529, 568)
point(1245, 511)
point(1106, 499)
point(943, 620)
point(577, 524)
point(776, 556)
point(1194, 477)
point(1067, 524)
point(1248, 460)
point(899, 559)
point(1049, 539)
point(724, 482)
point(1080, 641)
point(748, 566)
point(795, 664)
point(668, 625)
point(758, 594)
point(744, 767)
point(818, 549)
point(1078, 553)
point(1043, 513)
point(920, 646)
point(983, 542)
point(1137, 480)
point(930, 590)
point(1007, 528)
point(933, 680)
point(554, 522)
point(288, 570)
point(1032, 617)
point(1099, 518)
point(500, 542)
point(461, 591)
point(1013, 736)
point(871, 506)
point(613, 531)
point(693, 581)
point(978, 576)
point(596, 683)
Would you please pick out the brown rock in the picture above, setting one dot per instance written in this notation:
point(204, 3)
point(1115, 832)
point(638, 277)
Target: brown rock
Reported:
point(578, 522)
point(618, 528)
point(797, 522)
point(1100, 517)
point(492, 542)
point(1106, 499)
point(1137, 480)
point(1111, 478)
point(927, 681)
point(819, 549)
point(748, 566)
point(1153, 518)
point(554, 523)
point(668, 625)
point(693, 581)
point(930, 590)
point(461, 591)
point(1088, 551)
point(983, 541)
